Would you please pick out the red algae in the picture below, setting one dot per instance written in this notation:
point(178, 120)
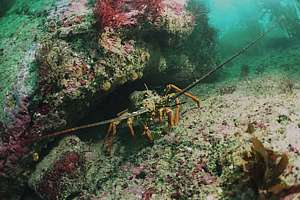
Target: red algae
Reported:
point(51, 182)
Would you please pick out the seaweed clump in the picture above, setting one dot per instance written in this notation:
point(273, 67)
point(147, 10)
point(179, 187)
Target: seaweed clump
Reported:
point(263, 168)
point(117, 14)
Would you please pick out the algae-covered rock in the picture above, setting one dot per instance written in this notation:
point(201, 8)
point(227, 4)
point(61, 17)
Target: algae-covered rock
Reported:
point(182, 43)
point(64, 78)
point(5, 5)
point(176, 20)
point(62, 173)
point(59, 64)
point(123, 60)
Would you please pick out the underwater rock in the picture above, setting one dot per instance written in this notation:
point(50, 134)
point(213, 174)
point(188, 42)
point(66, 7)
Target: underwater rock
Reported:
point(61, 173)
point(75, 26)
point(70, 18)
point(13, 149)
point(166, 28)
point(176, 20)
point(5, 5)
point(122, 61)
point(66, 65)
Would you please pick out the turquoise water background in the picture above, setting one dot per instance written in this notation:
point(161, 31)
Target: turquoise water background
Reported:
point(231, 15)
point(239, 21)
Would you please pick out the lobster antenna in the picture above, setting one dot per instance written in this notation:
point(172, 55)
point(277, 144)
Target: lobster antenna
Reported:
point(234, 56)
point(146, 86)
point(70, 130)
point(142, 111)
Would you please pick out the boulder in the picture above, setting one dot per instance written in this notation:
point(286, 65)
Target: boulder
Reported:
point(61, 174)
point(62, 61)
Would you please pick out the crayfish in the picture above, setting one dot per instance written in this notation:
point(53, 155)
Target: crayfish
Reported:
point(152, 105)
point(156, 107)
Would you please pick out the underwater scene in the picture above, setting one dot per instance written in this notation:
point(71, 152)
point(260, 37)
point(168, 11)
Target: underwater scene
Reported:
point(149, 99)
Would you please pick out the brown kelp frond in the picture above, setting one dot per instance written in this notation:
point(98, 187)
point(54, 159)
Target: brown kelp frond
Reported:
point(263, 168)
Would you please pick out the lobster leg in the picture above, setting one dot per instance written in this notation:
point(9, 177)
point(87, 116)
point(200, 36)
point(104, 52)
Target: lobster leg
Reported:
point(187, 94)
point(161, 115)
point(110, 136)
point(130, 126)
point(112, 129)
point(170, 115)
point(177, 115)
point(147, 133)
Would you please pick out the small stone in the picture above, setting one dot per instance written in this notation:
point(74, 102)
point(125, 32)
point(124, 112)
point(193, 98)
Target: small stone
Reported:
point(250, 128)
point(283, 118)
point(106, 86)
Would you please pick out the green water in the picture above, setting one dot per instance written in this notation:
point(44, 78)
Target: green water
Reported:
point(239, 21)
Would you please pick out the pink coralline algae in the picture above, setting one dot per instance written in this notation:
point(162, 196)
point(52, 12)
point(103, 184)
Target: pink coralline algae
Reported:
point(148, 194)
point(16, 138)
point(51, 182)
point(124, 13)
point(76, 7)
point(113, 43)
point(13, 141)
point(111, 14)
point(176, 6)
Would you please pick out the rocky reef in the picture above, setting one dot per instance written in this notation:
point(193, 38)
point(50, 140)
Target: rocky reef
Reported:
point(5, 5)
point(61, 174)
point(65, 58)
